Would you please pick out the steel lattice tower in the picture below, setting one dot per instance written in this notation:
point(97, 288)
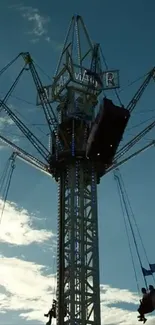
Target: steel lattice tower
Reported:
point(78, 283)
point(78, 262)
point(78, 82)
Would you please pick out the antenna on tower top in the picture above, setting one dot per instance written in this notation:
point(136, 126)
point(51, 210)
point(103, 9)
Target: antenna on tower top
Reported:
point(77, 45)
point(81, 68)
point(75, 63)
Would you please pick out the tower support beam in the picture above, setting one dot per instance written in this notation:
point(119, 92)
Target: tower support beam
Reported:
point(78, 260)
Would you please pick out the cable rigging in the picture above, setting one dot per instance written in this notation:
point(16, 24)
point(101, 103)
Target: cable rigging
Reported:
point(133, 82)
point(115, 90)
point(126, 229)
point(12, 87)
point(5, 181)
point(148, 305)
point(9, 64)
point(127, 207)
point(52, 121)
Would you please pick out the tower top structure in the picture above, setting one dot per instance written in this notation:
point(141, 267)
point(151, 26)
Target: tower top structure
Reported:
point(79, 64)
point(80, 67)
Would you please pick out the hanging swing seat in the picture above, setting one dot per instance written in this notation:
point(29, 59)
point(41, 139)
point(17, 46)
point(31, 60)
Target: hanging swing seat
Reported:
point(147, 305)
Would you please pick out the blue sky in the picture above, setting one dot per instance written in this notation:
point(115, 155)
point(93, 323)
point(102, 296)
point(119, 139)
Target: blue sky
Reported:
point(125, 31)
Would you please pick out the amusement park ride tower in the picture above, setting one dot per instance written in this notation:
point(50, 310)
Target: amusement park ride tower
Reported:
point(83, 145)
point(78, 82)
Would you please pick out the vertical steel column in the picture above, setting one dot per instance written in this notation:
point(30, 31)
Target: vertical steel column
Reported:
point(60, 250)
point(78, 261)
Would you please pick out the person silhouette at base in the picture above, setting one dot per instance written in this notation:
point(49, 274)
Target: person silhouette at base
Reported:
point(52, 313)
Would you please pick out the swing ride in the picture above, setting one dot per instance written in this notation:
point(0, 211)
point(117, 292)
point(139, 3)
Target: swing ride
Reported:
point(148, 302)
point(84, 147)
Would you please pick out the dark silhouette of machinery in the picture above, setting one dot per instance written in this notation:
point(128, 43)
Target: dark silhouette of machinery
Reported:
point(83, 147)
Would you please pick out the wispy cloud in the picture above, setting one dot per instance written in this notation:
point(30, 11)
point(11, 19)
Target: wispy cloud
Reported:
point(5, 121)
point(38, 22)
point(27, 288)
point(38, 25)
point(16, 227)
point(8, 128)
point(29, 292)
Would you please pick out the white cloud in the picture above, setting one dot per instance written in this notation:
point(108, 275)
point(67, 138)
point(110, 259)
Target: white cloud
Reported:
point(5, 121)
point(38, 22)
point(29, 292)
point(5, 128)
point(48, 39)
point(26, 288)
point(16, 227)
point(113, 297)
point(116, 315)
point(35, 40)
point(38, 25)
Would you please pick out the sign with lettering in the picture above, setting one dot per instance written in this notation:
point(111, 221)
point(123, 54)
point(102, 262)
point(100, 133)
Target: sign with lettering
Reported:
point(83, 78)
point(110, 80)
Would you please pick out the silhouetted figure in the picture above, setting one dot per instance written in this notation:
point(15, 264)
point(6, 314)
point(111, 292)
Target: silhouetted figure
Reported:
point(143, 301)
point(146, 305)
point(52, 313)
point(151, 289)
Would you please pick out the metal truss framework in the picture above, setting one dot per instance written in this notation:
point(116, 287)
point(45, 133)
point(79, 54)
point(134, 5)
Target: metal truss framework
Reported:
point(78, 262)
point(75, 90)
